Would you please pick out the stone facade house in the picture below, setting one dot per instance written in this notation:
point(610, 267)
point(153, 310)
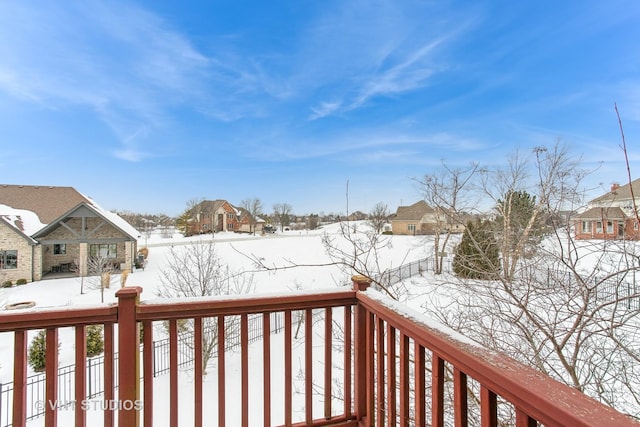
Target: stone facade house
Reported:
point(421, 218)
point(610, 216)
point(57, 230)
point(413, 219)
point(212, 216)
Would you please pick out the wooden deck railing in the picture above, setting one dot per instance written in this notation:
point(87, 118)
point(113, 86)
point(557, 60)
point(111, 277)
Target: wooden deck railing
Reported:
point(357, 359)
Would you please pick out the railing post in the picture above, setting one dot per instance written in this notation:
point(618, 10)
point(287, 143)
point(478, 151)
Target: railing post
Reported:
point(128, 347)
point(360, 283)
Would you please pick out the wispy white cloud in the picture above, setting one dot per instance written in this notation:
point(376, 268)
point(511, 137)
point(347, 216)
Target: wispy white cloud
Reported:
point(324, 109)
point(124, 63)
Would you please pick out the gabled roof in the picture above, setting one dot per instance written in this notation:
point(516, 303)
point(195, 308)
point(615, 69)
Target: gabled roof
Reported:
point(413, 212)
point(39, 206)
point(602, 213)
point(617, 193)
point(213, 206)
point(110, 217)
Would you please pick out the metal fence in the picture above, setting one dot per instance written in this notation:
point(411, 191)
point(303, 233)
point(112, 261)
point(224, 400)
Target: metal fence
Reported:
point(95, 370)
point(406, 271)
point(626, 291)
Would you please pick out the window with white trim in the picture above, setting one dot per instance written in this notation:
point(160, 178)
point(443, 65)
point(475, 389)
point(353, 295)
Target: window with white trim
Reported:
point(8, 260)
point(60, 249)
point(104, 251)
point(609, 227)
point(586, 226)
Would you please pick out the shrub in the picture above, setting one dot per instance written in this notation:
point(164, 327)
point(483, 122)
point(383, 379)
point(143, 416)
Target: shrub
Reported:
point(95, 341)
point(21, 282)
point(144, 252)
point(37, 351)
point(387, 232)
point(7, 284)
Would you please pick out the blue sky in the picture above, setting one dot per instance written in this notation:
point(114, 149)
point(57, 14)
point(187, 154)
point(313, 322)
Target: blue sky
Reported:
point(145, 105)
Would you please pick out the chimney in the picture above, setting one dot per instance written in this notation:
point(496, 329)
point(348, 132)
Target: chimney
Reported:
point(614, 187)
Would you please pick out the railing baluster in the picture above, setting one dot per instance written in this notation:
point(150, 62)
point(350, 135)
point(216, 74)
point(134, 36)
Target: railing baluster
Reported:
point(437, 391)
point(524, 420)
point(244, 350)
point(488, 408)
point(80, 375)
point(266, 368)
point(404, 380)
point(391, 375)
point(348, 397)
point(20, 378)
point(328, 361)
point(308, 365)
point(420, 385)
point(109, 413)
point(371, 370)
point(198, 369)
point(51, 368)
point(288, 375)
point(460, 398)
point(221, 372)
point(173, 373)
point(147, 366)
point(380, 367)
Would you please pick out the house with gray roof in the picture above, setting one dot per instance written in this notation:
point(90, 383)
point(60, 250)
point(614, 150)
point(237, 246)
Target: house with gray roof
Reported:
point(420, 218)
point(47, 229)
point(611, 215)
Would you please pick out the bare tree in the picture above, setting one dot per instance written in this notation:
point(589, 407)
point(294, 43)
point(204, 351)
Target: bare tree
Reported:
point(449, 192)
point(379, 216)
point(570, 308)
point(254, 208)
point(99, 268)
point(194, 271)
point(282, 213)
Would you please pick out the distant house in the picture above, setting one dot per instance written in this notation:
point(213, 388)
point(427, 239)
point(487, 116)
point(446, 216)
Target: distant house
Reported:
point(56, 229)
point(421, 218)
point(212, 216)
point(610, 216)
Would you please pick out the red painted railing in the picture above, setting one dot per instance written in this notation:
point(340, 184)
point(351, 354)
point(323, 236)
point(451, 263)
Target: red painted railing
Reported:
point(363, 360)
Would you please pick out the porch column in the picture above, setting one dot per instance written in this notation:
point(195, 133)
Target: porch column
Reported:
point(128, 255)
point(83, 258)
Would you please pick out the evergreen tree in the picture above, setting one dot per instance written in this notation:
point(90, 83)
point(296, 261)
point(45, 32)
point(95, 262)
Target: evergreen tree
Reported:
point(37, 351)
point(95, 342)
point(477, 255)
point(515, 212)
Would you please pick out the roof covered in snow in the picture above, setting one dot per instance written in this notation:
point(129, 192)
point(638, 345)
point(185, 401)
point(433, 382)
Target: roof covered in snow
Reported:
point(31, 208)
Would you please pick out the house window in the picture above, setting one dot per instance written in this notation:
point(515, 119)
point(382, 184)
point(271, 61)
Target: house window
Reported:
point(609, 227)
point(229, 226)
point(230, 216)
point(599, 227)
point(586, 226)
point(106, 251)
point(8, 260)
point(60, 249)
point(411, 228)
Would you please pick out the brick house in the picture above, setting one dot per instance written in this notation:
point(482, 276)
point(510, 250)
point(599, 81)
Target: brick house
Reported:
point(610, 216)
point(56, 229)
point(219, 215)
